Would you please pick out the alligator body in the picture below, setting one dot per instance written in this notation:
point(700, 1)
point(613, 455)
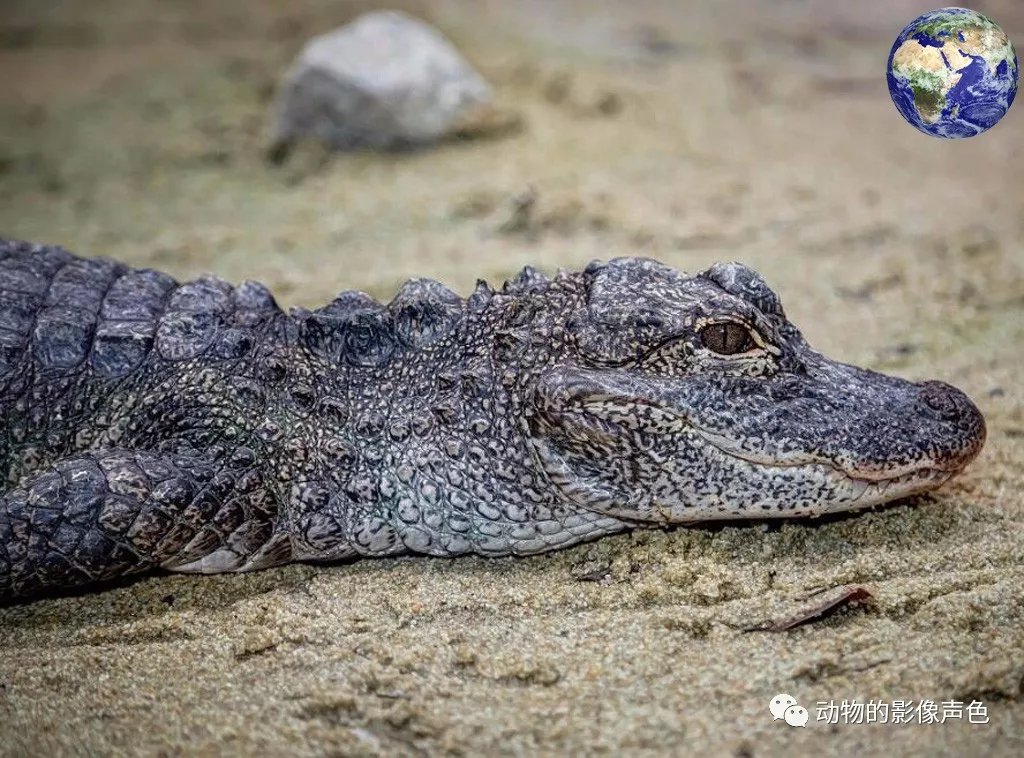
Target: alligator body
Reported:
point(197, 427)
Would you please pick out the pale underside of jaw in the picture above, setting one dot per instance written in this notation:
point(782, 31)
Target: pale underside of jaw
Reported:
point(851, 493)
point(846, 492)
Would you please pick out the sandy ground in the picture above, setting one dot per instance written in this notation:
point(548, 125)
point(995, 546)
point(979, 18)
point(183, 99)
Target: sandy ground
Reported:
point(690, 132)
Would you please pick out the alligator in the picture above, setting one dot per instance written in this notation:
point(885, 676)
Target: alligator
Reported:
point(197, 427)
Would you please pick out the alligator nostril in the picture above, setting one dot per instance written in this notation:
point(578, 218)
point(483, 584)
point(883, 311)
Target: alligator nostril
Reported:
point(946, 400)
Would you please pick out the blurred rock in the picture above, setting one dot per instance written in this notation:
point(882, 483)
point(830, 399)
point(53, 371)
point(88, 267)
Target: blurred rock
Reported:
point(386, 80)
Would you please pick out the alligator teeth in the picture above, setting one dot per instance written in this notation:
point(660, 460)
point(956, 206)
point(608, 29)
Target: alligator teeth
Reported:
point(858, 487)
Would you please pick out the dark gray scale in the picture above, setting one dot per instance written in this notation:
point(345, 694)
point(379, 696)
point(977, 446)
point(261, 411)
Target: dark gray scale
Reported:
point(61, 338)
point(18, 309)
point(137, 296)
point(66, 324)
point(254, 328)
point(58, 255)
point(208, 294)
point(120, 347)
point(80, 284)
point(527, 281)
point(424, 312)
point(253, 303)
point(195, 314)
point(481, 297)
point(739, 280)
point(354, 329)
point(26, 272)
point(129, 314)
point(11, 345)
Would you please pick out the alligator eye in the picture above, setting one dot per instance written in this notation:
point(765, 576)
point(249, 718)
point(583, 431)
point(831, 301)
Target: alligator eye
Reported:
point(727, 338)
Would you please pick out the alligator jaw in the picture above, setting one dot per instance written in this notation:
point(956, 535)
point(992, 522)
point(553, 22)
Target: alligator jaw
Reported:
point(867, 476)
point(626, 448)
point(845, 492)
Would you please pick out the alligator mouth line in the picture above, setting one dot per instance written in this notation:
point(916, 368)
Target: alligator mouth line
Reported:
point(609, 418)
point(877, 478)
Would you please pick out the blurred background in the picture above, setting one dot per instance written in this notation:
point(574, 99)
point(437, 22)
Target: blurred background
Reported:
point(689, 131)
point(759, 131)
point(751, 130)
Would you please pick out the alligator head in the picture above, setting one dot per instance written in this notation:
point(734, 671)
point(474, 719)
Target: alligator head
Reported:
point(689, 398)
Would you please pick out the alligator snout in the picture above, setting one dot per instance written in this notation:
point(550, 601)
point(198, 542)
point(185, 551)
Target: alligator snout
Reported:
point(945, 404)
point(946, 400)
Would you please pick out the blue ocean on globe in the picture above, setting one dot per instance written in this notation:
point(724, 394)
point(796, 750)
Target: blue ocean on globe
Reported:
point(952, 73)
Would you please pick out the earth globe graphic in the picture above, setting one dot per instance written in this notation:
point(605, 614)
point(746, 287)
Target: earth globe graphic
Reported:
point(952, 73)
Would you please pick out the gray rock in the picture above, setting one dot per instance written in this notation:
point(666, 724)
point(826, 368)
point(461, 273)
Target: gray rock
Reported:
point(385, 80)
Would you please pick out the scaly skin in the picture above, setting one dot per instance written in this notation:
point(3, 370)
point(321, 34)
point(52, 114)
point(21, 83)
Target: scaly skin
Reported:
point(197, 427)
